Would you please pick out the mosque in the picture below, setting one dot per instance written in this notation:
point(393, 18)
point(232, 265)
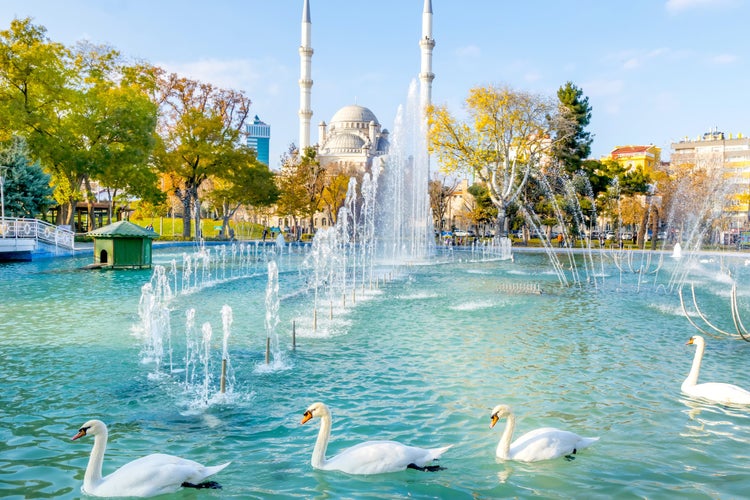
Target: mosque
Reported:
point(354, 137)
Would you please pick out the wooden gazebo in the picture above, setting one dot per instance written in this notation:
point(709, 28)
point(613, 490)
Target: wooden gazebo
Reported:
point(123, 245)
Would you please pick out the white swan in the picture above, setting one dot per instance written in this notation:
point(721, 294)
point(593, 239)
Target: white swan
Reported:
point(541, 444)
point(717, 392)
point(370, 457)
point(147, 476)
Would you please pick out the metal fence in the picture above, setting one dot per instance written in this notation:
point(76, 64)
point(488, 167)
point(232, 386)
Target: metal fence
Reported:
point(19, 228)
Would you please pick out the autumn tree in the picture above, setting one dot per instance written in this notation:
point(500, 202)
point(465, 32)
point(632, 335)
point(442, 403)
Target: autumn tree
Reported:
point(200, 128)
point(507, 138)
point(333, 196)
point(440, 192)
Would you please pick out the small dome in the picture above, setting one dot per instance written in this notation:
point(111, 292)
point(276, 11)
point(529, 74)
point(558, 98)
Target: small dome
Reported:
point(383, 145)
point(354, 113)
point(345, 142)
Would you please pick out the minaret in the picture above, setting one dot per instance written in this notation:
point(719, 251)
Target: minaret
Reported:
point(305, 80)
point(427, 43)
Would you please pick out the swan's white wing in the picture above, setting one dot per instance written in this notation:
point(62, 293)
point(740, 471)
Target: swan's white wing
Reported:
point(719, 392)
point(376, 457)
point(546, 443)
point(153, 475)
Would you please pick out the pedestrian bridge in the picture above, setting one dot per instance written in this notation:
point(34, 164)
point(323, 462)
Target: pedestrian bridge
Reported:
point(21, 239)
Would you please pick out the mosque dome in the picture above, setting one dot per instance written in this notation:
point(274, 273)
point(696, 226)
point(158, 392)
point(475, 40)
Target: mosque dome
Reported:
point(354, 131)
point(345, 143)
point(354, 114)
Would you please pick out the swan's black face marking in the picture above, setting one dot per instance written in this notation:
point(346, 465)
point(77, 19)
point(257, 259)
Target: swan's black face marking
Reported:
point(306, 416)
point(81, 432)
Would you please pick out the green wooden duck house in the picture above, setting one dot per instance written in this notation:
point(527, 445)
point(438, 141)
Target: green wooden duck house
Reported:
point(122, 245)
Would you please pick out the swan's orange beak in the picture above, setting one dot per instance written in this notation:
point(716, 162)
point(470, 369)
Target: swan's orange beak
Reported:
point(307, 416)
point(689, 342)
point(80, 434)
point(493, 420)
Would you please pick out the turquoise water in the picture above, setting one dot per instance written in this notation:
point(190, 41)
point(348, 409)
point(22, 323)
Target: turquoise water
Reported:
point(422, 360)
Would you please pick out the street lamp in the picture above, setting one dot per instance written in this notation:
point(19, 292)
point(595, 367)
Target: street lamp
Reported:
point(3, 168)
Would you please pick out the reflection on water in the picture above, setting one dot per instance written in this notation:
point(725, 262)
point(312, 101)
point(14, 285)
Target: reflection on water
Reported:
point(421, 359)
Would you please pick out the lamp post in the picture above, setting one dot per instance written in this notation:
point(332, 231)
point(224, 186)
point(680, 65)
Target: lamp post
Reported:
point(3, 168)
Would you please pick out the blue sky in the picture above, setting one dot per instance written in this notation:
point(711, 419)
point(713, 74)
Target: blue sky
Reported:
point(655, 71)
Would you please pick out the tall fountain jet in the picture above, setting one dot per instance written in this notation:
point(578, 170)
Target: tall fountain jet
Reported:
point(404, 228)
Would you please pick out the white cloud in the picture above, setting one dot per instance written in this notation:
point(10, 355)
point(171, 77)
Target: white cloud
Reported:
point(677, 6)
point(724, 59)
point(532, 76)
point(469, 51)
point(666, 102)
point(239, 74)
point(632, 63)
point(631, 59)
point(603, 87)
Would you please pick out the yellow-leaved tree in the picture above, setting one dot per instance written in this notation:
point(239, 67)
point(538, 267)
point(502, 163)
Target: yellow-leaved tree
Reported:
point(507, 137)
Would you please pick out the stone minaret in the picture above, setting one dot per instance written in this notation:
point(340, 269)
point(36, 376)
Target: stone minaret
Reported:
point(427, 43)
point(305, 78)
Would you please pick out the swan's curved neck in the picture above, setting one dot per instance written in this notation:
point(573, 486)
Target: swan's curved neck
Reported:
point(93, 474)
point(692, 378)
point(319, 453)
point(503, 447)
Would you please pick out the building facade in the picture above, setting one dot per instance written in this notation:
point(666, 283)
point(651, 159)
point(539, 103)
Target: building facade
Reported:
point(259, 139)
point(631, 158)
point(727, 152)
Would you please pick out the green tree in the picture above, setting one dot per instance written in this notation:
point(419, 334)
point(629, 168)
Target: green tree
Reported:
point(301, 184)
point(572, 147)
point(78, 120)
point(484, 210)
point(35, 92)
point(115, 129)
point(243, 181)
point(26, 188)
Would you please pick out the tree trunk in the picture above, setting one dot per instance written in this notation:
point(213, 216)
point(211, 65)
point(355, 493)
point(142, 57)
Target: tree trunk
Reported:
point(70, 213)
point(654, 227)
point(502, 223)
point(198, 232)
point(642, 228)
point(185, 198)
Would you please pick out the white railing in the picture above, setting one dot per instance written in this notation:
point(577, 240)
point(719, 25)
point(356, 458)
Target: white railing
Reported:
point(18, 228)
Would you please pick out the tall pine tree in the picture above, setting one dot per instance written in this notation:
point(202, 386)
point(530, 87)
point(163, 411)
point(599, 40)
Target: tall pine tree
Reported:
point(573, 147)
